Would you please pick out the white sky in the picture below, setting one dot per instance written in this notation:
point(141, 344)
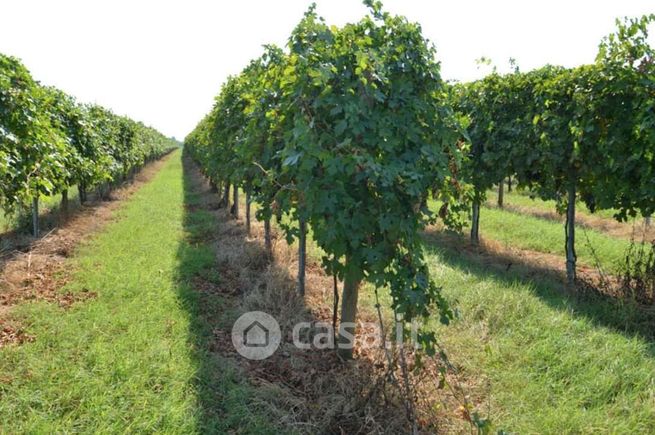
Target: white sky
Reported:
point(162, 62)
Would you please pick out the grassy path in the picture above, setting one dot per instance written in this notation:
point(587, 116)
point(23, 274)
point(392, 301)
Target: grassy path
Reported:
point(131, 360)
point(522, 198)
point(552, 363)
point(547, 236)
point(601, 220)
point(539, 360)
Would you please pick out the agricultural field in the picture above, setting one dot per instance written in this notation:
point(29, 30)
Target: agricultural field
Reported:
point(345, 243)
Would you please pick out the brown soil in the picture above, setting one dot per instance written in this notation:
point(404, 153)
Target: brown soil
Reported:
point(14, 334)
point(313, 391)
point(36, 269)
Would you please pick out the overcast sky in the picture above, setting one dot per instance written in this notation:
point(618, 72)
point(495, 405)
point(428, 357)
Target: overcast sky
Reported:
point(162, 62)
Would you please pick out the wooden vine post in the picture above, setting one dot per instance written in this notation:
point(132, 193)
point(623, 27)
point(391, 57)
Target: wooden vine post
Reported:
point(302, 254)
point(248, 206)
point(571, 257)
point(35, 216)
point(235, 202)
point(349, 298)
point(475, 220)
point(64, 203)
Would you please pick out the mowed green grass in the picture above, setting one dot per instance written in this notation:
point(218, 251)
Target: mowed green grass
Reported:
point(542, 361)
point(133, 360)
point(554, 364)
point(542, 235)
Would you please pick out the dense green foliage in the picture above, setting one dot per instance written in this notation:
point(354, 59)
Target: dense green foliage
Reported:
point(583, 133)
point(348, 130)
point(590, 126)
point(49, 142)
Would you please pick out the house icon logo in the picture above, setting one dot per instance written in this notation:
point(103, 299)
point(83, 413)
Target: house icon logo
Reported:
point(256, 335)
